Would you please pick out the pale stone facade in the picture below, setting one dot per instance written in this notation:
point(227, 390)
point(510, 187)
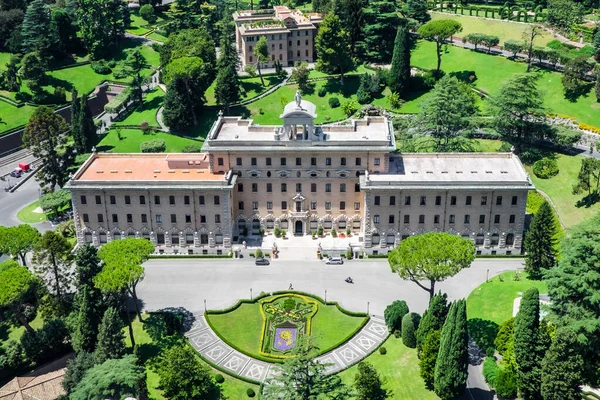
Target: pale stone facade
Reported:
point(290, 35)
point(300, 177)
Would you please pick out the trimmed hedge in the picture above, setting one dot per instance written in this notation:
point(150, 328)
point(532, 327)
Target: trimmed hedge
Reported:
point(154, 146)
point(545, 168)
point(163, 256)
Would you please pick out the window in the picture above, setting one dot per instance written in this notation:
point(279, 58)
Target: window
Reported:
point(98, 200)
point(129, 218)
point(357, 187)
point(514, 200)
point(392, 200)
point(83, 200)
point(298, 161)
point(113, 200)
point(436, 219)
point(173, 218)
point(217, 200)
point(186, 200)
point(482, 218)
point(157, 200)
point(283, 161)
point(240, 205)
point(483, 200)
point(468, 201)
point(453, 200)
point(172, 200)
point(313, 161)
point(255, 205)
point(284, 205)
point(217, 218)
point(377, 200)
point(421, 218)
point(423, 200)
point(298, 52)
point(220, 161)
point(376, 219)
point(283, 187)
point(142, 199)
point(358, 161)
point(499, 200)
point(391, 219)
point(343, 161)
point(467, 219)
point(269, 205)
point(438, 200)
point(327, 205)
point(158, 219)
point(298, 187)
point(254, 187)
point(115, 219)
point(253, 161)
point(280, 48)
point(202, 219)
point(202, 201)
point(268, 161)
point(342, 205)
point(298, 42)
point(238, 161)
point(328, 161)
point(250, 58)
point(86, 218)
point(144, 218)
point(313, 205)
point(497, 218)
point(407, 200)
point(451, 219)
point(342, 187)
point(240, 187)
point(377, 161)
point(313, 187)
point(407, 219)
point(328, 187)
point(511, 219)
point(269, 187)
point(356, 206)
point(510, 239)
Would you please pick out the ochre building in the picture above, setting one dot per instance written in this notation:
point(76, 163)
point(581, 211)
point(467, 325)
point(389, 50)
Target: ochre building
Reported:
point(299, 177)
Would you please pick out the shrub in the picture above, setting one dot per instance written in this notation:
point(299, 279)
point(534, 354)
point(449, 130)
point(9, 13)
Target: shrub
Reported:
point(259, 253)
point(408, 332)
point(154, 146)
point(349, 107)
point(506, 384)
point(250, 392)
point(590, 128)
point(490, 370)
point(60, 95)
point(147, 13)
point(289, 303)
point(333, 233)
point(545, 168)
point(219, 378)
point(145, 128)
point(192, 148)
point(320, 231)
point(394, 101)
point(382, 351)
point(505, 147)
point(394, 313)
point(490, 351)
point(334, 102)
point(397, 334)
point(322, 92)
point(504, 338)
point(101, 67)
point(277, 232)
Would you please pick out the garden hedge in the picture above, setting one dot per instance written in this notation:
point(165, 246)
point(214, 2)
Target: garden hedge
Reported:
point(545, 168)
point(154, 146)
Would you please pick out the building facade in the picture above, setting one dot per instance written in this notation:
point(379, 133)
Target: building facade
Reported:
point(300, 177)
point(290, 35)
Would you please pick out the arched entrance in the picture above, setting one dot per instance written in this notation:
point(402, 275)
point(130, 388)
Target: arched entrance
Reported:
point(299, 228)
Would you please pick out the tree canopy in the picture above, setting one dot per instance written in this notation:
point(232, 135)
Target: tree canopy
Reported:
point(438, 31)
point(18, 240)
point(15, 283)
point(540, 241)
point(333, 47)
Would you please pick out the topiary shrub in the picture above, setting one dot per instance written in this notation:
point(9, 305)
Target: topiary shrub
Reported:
point(394, 313)
point(100, 67)
point(322, 92)
point(154, 146)
point(410, 323)
point(545, 168)
point(219, 378)
point(147, 13)
point(250, 392)
point(382, 351)
point(334, 102)
point(259, 253)
point(490, 371)
point(192, 148)
point(289, 303)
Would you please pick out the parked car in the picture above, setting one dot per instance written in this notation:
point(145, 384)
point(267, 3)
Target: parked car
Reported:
point(335, 261)
point(16, 173)
point(262, 261)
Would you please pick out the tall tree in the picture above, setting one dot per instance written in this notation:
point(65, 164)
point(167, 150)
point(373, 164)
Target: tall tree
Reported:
point(527, 346)
point(518, 110)
point(300, 74)
point(33, 71)
point(76, 369)
point(101, 24)
point(10, 20)
point(46, 136)
point(381, 21)
point(574, 76)
point(178, 113)
point(63, 25)
point(433, 318)
point(352, 15)
point(86, 124)
point(111, 341)
point(410, 323)
point(563, 14)
point(12, 78)
point(183, 376)
point(431, 257)
point(438, 31)
point(261, 50)
point(52, 261)
point(15, 284)
point(76, 131)
point(368, 383)
point(417, 10)
point(227, 84)
point(18, 241)
point(450, 377)
point(529, 35)
point(85, 324)
point(446, 114)
point(36, 33)
point(573, 286)
point(588, 178)
point(540, 242)
point(332, 45)
point(133, 66)
point(87, 265)
point(562, 368)
point(399, 75)
point(429, 355)
point(303, 378)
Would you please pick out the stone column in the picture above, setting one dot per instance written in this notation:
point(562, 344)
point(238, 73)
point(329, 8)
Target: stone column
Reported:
point(486, 241)
point(502, 241)
point(109, 237)
point(397, 241)
point(196, 239)
point(95, 239)
point(181, 239)
point(153, 238)
point(167, 239)
point(518, 241)
point(138, 235)
point(211, 239)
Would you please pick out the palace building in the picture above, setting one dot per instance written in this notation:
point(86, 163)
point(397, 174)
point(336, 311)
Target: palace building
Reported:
point(299, 177)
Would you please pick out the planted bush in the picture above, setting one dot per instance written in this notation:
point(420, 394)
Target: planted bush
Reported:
point(545, 168)
point(322, 92)
point(259, 253)
point(250, 392)
point(382, 350)
point(192, 148)
point(394, 313)
point(334, 102)
point(219, 378)
point(101, 67)
point(154, 146)
point(490, 371)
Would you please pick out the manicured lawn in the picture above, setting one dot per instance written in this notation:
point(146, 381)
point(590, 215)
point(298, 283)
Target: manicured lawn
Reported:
point(151, 56)
point(14, 332)
point(152, 102)
point(250, 87)
point(478, 145)
point(505, 30)
point(157, 36)
point(139, 26)
point(13, 116)
point(400, 370)
point(4, 59)
point(27, 215)
point(243, 327)
point(534, 201)
point(133, 138)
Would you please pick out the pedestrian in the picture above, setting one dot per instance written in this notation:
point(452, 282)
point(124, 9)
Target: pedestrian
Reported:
point(290, 288)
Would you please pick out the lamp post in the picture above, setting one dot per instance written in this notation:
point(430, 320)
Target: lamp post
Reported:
point(368, 303)
point(250, 293)
point(325, 295)
point(204, 305)
point(487, 274)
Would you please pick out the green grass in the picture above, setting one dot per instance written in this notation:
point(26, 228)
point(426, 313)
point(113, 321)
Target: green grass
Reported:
point(152, 102)
point(151, 56)
point(10, 332)
point(505, 30)
point(243, 327)
point(478, 145)
point(400, 370)
point(27, 215)
point(133, 138)
point(534, 201)
point(157, 36)
point(250, 87)
point(4, 59)
point(12, 116)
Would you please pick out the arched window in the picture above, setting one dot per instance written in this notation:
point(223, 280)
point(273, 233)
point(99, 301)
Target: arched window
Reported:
point(494, 239)
point(250, 49)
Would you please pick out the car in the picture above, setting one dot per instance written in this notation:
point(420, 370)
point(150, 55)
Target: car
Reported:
point(16, 173)
point(262, 261)
point(334, 261)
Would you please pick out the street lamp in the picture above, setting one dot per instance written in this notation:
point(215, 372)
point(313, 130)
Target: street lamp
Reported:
point(204, 305)
point(325, 295)
point(487, 274)
point(250, 293)
point(368, 307)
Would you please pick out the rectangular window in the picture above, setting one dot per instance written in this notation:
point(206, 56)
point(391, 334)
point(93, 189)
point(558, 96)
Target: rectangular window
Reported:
point(240, 187)
point(342, 205)
point(467, 219)
point(423, 200)
point(115, 219)
point(86, 218)
point(358, 161)
point(357, 187)
point(377, 200)
point(113, 200)
point(451, 219)
point(98, 200)
point(157, 200)
point(173, 218)
point(406, 219)
point(483, 200)
point(453, 200)
point(202, 219)
point(511, 219)
point(240, 205)
point(313, 161)
point(202, 201)
point(499, 200)
point(313, 205)
point(83, 200)
point(327, 205)
point(392, 200)
point(438, 200)
point(377, 161)
point(217, 200)
point(468, 201)
point(220, 161)
point(283, 187)
point(253, 161)
point(436, 219)
point(482, 219)
point(298, 187)
point(127, 199)
point(343, 161)
point(217, 218)
point(328, 161)
point(283, 161)
point(356, 206)
point(391, 219)
point(298, 161)
point(142, 199)
point(284, 205)
point(186, 200)
point(269, 187)
point(268, 161)
point(313, 187)
point(188, 219)
point(144, 218)
point(129, 218)
point(255, 205)
point(407, 200)
point(342, 187)
point(497, 218)
point(254, 187)
point(328, 188)
point(158, 219)
point(421, 219)
point(376, 219)
point(238, 161)
point(172, 200)
point(269, 205)
point(514, 200)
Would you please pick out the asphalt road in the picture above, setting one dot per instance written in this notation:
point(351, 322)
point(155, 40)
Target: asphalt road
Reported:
point(11, 203)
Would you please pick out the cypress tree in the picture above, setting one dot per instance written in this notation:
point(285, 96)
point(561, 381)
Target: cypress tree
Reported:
point(450, 376)
point(76, 131)
point(85, 329)
point(526, 346)
point(36, 30)
point(540, 242)
point(111, 340)
point(394, 313)
point(363, 95)
point(562, 368)
point(417, 10)
point(178, 113)
point(399, 75)
point(227, 84)
point(410, 322)
point(368, 383)
point(429, 353)
point(87, 124)
point(433, 318)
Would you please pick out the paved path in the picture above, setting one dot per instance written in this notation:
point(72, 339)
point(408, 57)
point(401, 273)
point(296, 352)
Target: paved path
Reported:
point(215, 350)
point(11, 203)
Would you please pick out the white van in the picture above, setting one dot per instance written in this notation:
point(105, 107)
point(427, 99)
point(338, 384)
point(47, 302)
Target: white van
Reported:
point(335, 260)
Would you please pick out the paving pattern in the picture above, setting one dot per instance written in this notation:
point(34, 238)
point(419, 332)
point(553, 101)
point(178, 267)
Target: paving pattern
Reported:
point(213, 349)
